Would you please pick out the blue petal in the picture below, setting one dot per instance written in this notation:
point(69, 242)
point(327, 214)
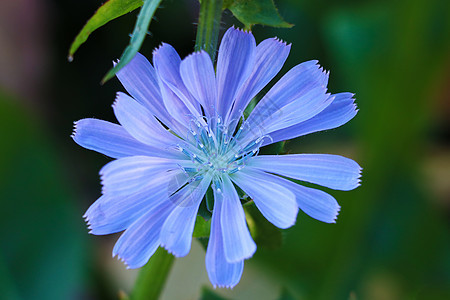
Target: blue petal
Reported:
point(317, 204)
point(110, 215)
point(138, 243)
point(298, 96)
point(109, 139)
point(307, 106)
point(131, 174)
point(167, 65)
point(304, 108)
point(293, 85)
point(140, 80)
point(176, 234)
point(221, 273)
point(114, 212)
point(177, 110)
point(234, 64)
point(197, 72)
point(237, 241)
point(276, 203)
point(333, 171)
point(141, 124)
point(339, 112)
point(270, 56)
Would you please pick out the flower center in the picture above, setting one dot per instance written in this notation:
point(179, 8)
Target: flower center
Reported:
point(213, 149)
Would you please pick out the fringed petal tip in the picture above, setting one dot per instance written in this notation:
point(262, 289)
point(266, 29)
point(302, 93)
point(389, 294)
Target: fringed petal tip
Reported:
point(325, 77)
point(221, 286)
point(104, 189)
point(355, 106)
point(352, 97)
point(123, 260)
point(245, 257)
point(116, 255)
point(87, 220)
point(282, 42)
point(243, 30)
point(90, 227)
point(116, 99)
point(103, 176)
point(338, 209)
point(360, 173)
point(102, 181)
point(196, 53)
point(158, 48)
point(87, 216)
point(74, 130)
point(172, 252)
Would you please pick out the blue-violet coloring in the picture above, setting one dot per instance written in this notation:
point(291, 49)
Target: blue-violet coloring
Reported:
point(182, 132)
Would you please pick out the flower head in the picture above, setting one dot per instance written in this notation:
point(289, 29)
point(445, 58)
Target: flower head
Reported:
point(183, 130)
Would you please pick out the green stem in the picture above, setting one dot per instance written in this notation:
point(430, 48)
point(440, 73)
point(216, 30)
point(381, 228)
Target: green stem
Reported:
point(153, 276)
point(208, 26)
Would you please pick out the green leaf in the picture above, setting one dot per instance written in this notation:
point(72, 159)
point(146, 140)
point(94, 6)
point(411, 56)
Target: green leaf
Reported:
point(137, 38)
point(107, 12)
point(202, 227)
point(252, 12)
point(264, 233)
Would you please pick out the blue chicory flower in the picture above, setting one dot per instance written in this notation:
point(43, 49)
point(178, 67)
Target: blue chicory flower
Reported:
point(183, 131)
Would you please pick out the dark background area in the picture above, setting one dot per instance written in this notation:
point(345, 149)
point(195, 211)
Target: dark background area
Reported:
point(391, 240)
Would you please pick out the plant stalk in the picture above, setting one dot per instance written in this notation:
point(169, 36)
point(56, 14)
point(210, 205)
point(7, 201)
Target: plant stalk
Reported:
point(153, 276)
point(208, 26)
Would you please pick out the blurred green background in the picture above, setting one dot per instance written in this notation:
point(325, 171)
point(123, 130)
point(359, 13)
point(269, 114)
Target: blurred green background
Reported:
point(392, 238)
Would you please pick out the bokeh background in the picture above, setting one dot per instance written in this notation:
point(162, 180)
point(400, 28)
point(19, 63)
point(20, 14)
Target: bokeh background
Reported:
point(392, 238)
